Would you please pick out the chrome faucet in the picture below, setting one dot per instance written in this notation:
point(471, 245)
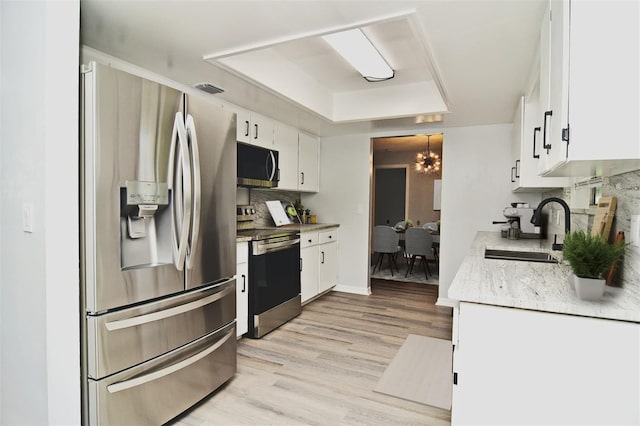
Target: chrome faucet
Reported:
point(536, 219)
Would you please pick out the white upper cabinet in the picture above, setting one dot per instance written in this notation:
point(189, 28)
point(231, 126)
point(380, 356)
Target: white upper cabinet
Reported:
point(254, 129)
point(298, 159)
point(308, 163)
point(286, 143)
point(526, 146)
point(592, 113)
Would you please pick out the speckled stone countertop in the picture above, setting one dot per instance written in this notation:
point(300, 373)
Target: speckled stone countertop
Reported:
point(300, 228)
point(314, 227)
point(532, 285)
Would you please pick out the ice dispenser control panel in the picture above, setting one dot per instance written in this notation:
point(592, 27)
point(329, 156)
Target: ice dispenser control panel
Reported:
point(141, 200)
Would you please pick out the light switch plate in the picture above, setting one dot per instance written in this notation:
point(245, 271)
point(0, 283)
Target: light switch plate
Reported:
point(27, 218)
point(634, 238)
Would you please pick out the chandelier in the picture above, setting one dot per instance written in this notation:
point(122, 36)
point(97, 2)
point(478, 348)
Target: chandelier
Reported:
point(427, 162)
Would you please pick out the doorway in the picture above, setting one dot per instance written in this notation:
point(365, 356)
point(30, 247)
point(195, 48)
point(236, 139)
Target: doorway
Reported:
point(402, 192)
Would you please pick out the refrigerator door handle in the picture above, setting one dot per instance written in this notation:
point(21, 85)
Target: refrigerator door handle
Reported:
point(180, 200)
point(128, 384)
point(197, 188)
point(166, 313)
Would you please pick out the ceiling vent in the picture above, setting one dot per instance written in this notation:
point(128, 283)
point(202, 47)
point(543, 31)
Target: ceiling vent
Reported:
point(209, 88)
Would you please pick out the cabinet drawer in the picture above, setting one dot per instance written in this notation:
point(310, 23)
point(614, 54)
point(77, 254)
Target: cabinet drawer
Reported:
point(308, 239)
point(242, 252)
point(329, 236)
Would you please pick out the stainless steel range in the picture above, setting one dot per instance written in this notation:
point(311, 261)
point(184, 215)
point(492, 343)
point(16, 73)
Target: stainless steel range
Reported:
point(274, 274)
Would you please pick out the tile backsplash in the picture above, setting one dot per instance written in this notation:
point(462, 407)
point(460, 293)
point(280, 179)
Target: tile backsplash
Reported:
point(257, 198)
point(626, 189)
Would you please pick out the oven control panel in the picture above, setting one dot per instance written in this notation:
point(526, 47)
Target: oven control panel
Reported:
point(245, 214)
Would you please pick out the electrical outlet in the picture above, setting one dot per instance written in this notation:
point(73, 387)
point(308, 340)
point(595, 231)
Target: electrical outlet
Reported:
point(634, 238)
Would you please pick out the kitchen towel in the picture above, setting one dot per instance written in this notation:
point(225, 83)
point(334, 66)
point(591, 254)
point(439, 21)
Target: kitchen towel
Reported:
point(420, 372)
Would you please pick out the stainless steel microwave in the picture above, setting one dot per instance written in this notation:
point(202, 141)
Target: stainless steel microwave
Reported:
point(257, 166)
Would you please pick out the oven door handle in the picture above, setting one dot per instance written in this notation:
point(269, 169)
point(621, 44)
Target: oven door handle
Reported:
point(261, 249)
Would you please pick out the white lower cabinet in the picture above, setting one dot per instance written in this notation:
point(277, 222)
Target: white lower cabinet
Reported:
point(242, 283)
point(513, 366)
point(328, 252)
point(319, 262)
point(309, 266)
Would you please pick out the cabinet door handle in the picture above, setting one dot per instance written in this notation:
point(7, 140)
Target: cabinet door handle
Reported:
point(244, 283)
point(535, 130)
point(256, 135)
point(302, 177)
point(246, 131)
point(513, 169)
point(546, 145)
point(517, 169)
point(300, 264)
point(322, 257)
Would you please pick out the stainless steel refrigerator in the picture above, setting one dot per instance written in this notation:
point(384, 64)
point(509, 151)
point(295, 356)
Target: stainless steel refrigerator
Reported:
point(158, 248)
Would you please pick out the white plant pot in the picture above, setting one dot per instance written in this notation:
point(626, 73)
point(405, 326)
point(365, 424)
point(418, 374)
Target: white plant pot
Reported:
point(571, 280)
point(589, 288)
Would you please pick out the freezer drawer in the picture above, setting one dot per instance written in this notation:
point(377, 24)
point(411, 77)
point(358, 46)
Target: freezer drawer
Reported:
point(160, 389)
point(121, 339)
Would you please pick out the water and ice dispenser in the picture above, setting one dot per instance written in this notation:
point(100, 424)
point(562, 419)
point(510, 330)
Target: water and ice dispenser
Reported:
point(145, 224)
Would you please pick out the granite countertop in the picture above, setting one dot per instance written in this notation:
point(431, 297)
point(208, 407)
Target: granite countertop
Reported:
point(532, 285)
point(294, 227)
point(314, 227)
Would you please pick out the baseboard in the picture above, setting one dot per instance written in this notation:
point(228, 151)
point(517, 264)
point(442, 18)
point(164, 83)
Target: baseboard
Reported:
point(353, 289)
point(445, 301)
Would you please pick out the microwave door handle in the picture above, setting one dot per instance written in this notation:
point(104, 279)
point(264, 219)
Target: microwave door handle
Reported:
point(197, 189)
point(128, 384)
point(271, 173)
point(179, 235)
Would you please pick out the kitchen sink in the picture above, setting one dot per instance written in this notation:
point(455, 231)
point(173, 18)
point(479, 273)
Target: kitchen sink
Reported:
point(523, 256)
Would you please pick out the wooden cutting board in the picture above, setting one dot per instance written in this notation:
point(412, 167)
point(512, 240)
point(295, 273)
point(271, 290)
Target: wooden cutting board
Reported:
point(604, 217)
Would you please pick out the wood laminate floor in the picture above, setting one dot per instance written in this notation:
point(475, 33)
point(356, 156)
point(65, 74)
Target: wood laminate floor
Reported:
point(321, 367)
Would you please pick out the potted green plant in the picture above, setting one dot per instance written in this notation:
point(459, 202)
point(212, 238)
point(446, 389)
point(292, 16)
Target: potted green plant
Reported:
point(590, 257)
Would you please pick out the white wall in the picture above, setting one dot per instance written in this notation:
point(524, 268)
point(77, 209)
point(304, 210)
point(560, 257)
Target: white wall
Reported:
point(345, 174)
point(1, 192)
point(39, 309)
point(476, 187)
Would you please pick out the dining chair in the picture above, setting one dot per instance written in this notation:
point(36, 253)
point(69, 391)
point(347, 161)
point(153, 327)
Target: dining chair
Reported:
point(419, 243)
point(385, 241)
point(400, 226)
point(432, 227)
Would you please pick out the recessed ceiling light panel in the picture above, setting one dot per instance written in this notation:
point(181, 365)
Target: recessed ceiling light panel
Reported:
point(356, 49)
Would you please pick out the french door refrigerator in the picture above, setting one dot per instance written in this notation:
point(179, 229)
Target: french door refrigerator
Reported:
point(158, 175)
